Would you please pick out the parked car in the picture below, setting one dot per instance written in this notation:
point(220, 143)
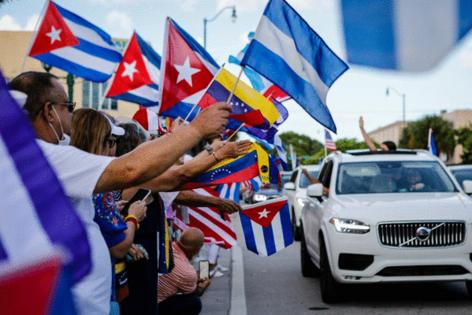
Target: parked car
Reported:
point(389, 217)
point(295, 190)
point(267, 192)
point(461, 172)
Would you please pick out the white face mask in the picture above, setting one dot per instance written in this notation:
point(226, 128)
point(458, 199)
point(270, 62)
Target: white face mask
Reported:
point(65, 138)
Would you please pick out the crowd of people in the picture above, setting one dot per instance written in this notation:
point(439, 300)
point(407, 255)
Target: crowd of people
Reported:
point(121, 179)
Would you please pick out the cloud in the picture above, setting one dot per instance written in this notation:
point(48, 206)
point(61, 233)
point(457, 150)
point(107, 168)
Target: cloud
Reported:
point(120, 24)
point(8, 23)
point(31, 22)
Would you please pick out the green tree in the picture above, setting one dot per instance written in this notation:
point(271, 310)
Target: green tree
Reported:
point(344, 144)
point(464, 137)
point(303, 145)
point(415, 135)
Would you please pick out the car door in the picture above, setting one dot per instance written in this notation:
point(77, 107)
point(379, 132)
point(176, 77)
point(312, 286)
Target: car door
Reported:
point(314, 214)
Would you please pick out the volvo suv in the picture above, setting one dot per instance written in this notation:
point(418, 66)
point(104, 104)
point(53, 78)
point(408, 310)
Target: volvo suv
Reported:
point(388, 217)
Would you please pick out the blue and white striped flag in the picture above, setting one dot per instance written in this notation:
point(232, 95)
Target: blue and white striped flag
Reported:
point(267, 227)
point(73, 44)
point(432, 143)
point(289, 53)
point(229, 191)
point(409, 35)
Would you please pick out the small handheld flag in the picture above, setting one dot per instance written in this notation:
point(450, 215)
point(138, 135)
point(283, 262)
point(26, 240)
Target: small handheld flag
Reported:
point(267, 227)
point(330, 145)
point(432, 143)
point(289, 53)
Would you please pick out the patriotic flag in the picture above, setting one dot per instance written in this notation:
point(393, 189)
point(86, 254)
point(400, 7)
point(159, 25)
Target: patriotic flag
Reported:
point(329, 143)
point(67, 41)
point(288, 52)
point(147, 119)
point(432, 148)
point(249, 106)
point(258, 82)
point(187, 69)
point(388, 34)
point(252, 164)
point(267, 227)
point(137, 77)
point(229, 191)
point(214, 224)
point(254, 185)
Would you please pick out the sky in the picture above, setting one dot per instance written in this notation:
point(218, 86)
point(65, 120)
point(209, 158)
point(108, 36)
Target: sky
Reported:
point(360, 91)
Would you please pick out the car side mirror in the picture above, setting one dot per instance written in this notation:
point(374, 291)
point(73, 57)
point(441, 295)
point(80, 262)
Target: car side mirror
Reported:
point(315, 190)
point(467, 185)
point(289, 186)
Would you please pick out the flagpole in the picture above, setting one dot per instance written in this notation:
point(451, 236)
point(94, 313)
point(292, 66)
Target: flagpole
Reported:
point(35, 33)
point(235, 132)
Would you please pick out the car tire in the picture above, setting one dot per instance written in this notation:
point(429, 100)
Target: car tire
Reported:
point(295, 229)
point(468, 285)
point(331, 290)
point(309, 269)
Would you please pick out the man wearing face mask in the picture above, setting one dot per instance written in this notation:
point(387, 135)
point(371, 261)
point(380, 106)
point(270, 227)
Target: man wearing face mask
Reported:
point(83, 174)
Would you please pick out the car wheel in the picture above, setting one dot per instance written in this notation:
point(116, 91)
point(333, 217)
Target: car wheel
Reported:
point(468, 285)
point(331, 290)
point(309, 269)
point(296, 229)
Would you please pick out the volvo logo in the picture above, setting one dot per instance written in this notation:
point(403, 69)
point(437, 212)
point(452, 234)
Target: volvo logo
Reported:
point(423, 233)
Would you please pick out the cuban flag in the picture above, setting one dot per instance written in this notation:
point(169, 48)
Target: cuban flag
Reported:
point(67, 41)
point(432, 148)
point(137, 76)
point(47, 214)
point(289, 53)
point(403, 34)
point(187, 70)
point(229, 191)
point(267, 227)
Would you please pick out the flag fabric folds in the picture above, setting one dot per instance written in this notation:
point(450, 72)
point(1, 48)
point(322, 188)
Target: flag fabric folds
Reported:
point(187, 69)
point(69, 42)
point(330, 145)
point(289, 53)
point(267, 227)
point(48, 213)
point(432, 148)
point(137, 76)
point(387, 35)
point(249, 106)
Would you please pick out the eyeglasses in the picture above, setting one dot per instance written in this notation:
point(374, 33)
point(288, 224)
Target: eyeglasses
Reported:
point(110, 142)
point(70, 105)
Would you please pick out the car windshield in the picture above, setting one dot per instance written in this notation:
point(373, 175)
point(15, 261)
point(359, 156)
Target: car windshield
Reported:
point(392, 177)
point(286, 178)
point(304, 181)
point(462, 175)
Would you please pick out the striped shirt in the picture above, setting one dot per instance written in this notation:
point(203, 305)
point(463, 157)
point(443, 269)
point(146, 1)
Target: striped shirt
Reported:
point(182, 279)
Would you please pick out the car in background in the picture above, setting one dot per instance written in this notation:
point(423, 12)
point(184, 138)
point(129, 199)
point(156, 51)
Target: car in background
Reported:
point(461, 172)
point(285, 176)
point(295, 191)
point(388, 217)
point(267, 192)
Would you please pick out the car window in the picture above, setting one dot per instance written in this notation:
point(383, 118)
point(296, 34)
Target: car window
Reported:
point(294, 176)
point(304, 181)
point(325, 178)
point(393, 177)
point(462, 175)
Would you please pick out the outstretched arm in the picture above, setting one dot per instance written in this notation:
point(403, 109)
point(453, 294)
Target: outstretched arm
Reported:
point(366, 137)
point(192, 199)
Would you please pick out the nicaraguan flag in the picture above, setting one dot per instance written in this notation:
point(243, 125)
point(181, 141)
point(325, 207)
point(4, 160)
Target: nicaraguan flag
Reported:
point(404, 35)
point(289, 53)
point(69, 42)
point(432, 143)
point(267, 227)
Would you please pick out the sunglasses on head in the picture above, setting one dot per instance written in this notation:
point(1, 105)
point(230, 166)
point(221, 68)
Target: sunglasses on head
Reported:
point(70, 105)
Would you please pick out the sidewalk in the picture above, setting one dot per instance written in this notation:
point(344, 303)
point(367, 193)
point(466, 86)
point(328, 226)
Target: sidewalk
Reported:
point(217, 299)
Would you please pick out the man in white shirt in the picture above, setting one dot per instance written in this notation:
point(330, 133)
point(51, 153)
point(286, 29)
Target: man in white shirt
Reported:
point(83, 174)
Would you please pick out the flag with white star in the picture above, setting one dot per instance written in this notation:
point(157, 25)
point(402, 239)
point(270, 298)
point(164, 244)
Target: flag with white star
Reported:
point(266, 226)
point(69, 42)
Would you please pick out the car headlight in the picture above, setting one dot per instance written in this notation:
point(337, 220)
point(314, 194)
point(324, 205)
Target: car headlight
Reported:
point(349, 226)
point(259, 197)
point(302, 202)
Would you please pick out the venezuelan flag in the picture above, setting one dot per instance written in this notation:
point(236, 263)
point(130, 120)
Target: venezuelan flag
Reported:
point(249, 106)
point(252, 164)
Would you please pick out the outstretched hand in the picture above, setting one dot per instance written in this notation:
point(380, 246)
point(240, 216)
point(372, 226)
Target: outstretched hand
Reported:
point(361, 122)
point(233, 149)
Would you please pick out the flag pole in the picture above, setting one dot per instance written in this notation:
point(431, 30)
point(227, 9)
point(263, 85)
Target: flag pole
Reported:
point(235, 132)
point(35, 33)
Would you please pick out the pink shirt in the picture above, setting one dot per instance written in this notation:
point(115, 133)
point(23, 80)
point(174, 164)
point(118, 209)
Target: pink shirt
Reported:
point(182, 279)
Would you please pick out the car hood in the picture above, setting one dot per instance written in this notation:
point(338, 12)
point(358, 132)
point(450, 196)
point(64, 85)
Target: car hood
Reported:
point(404, 206)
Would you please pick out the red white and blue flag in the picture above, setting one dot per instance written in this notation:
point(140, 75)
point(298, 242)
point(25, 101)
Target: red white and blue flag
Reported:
point(187, 69)
point(48, 214)
point(69, 42)
point(137, 77)
point(267, 227)
point(229, 191)
point(330, 145)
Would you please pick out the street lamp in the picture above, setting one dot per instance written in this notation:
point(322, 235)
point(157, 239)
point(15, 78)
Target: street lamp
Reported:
point(403, 96)
point(205, 21)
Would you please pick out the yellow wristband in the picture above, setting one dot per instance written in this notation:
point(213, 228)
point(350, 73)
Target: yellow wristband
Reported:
point(132, 218)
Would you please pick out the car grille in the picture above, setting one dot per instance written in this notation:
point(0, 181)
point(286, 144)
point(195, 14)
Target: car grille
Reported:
point(398, 234)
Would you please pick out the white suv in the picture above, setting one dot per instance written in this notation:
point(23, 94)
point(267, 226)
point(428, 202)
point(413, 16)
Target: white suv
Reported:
point(295, 191)
point(389, 217)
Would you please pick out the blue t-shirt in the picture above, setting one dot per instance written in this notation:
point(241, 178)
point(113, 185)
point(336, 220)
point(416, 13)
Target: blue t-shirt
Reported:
point(109, 219)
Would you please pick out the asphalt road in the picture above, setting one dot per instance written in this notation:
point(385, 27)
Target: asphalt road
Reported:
point(274, 285)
